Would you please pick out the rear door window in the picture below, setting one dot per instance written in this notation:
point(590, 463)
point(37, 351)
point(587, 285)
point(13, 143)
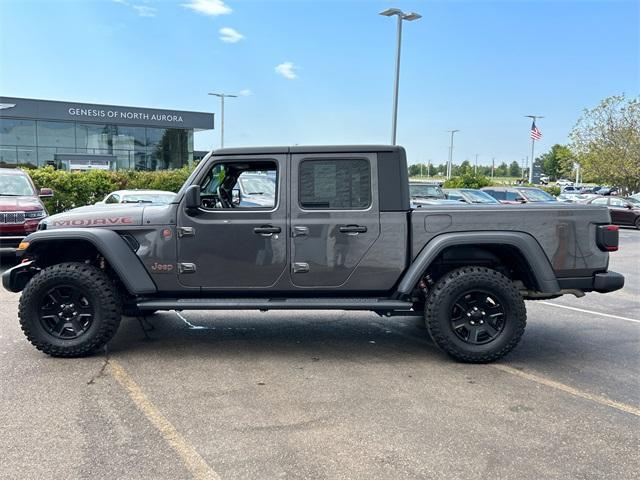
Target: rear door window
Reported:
point(335, 184)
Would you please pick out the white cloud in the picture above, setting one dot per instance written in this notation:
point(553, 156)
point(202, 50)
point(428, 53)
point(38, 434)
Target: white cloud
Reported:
point(144, 11)
point(245, 93)
point(286, 69)
point(141, 10)
point(208, 7)
point(229, 35)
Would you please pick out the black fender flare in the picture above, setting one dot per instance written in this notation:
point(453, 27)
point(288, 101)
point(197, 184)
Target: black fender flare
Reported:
point(527, 245)
point(115, 250)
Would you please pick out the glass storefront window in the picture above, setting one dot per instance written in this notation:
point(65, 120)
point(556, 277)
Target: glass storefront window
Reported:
point(46, 156)
point(93, 136)
point(56, 134)
point(27, 157)
point(17, 132)
point(35, 143)
point(8, 157)
point(122, 159)
point(133, 137)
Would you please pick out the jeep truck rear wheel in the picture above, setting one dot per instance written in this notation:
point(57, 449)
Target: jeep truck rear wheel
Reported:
point(70, 310)
point(475, 314)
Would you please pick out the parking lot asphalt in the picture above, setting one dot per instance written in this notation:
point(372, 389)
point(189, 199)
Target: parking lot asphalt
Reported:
point(315, 395)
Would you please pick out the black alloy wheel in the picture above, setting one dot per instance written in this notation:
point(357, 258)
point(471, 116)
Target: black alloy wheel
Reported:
point(65, 312)
point(477, 317)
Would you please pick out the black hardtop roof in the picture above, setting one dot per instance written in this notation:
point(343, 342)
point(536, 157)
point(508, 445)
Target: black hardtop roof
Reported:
point(307, 149)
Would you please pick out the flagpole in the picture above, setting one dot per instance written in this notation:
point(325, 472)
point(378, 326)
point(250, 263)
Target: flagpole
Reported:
point(533, 143)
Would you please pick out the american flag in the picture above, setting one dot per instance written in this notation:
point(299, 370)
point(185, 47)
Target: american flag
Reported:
point(535, 133)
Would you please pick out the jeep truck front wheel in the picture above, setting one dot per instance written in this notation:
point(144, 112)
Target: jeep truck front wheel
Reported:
point(70, 309)
point(475, 314)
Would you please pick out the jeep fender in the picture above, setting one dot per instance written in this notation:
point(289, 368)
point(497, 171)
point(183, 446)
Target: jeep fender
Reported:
point(115, 250)
point(527, 245)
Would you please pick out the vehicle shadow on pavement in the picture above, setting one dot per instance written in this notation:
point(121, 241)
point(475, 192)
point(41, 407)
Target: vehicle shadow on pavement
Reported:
point(224, 334)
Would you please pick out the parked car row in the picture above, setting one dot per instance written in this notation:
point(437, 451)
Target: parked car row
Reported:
point(21, 207)
point(624, 211)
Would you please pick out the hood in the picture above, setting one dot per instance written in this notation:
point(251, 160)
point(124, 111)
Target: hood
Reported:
point(20, 204)
point(113, 216)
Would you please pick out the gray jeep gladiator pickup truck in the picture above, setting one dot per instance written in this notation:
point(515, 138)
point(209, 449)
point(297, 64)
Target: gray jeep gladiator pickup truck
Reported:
point(335, 232)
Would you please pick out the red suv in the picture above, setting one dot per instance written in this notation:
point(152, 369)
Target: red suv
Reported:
point(20, 208)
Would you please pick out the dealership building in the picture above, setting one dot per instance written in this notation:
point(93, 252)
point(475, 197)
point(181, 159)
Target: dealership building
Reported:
point(80, 136)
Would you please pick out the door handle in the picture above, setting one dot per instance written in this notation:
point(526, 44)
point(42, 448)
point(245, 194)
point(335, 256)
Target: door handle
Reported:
point(352, 229)
point(266, 230)
point(300, 231)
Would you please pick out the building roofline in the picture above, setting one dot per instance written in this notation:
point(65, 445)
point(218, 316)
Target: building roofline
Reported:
point(101, 104)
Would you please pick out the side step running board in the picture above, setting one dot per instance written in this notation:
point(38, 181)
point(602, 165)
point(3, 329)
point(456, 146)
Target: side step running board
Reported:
point(374, 304)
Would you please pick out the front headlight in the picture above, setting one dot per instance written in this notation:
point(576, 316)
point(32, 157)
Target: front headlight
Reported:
point(35, 214)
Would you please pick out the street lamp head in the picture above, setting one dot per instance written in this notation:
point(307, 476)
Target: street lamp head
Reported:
point(391, 11)
point(411, 16)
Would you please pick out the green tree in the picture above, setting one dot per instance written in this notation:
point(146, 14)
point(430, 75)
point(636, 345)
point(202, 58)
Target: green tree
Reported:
point(557, 162)
point(606, 140)
point(501, 170)
point(514, 169)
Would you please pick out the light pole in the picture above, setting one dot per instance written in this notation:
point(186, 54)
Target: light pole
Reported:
point(222, 96)
point(450, 164)
point(475, 169)
point(493, 166)
point(389, 12)
point(534, 136)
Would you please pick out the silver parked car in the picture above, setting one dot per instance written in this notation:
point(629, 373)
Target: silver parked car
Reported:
point(159, 197)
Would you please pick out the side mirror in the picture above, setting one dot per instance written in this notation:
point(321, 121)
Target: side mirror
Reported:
point(192, 197)
point(46, 193)
point(236, 196)
point(629, 206)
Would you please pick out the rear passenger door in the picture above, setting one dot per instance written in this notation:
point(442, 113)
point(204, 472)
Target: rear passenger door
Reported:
point(334, 216)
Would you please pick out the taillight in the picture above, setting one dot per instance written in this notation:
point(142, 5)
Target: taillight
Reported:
point(607, 237)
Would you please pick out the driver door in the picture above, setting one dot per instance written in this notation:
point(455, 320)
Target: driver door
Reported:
point(229, 244)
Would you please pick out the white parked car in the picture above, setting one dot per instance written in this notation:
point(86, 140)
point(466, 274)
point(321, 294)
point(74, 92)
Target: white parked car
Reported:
point(160, 197)
point(563, 182)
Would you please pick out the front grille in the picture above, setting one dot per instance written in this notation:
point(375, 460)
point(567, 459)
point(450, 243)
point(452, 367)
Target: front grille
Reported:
point(11, 218)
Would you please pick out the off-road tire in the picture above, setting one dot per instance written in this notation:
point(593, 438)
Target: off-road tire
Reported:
point(440, 304)
point(99, 290)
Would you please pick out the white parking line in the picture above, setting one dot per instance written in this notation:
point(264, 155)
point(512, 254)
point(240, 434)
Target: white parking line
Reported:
point(582, 310)
point(602, 400)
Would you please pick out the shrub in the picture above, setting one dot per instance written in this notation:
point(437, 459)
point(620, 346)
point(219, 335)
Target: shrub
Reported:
point(467, 180)
point(75, 189)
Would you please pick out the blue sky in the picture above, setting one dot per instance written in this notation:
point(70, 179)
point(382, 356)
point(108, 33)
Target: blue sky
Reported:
point(321, 72)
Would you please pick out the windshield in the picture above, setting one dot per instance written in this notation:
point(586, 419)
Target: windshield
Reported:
point(161, 198)
point(476, 196)
point(258, 185)
point(15, 185)
point(426, 191)
point(536, 195)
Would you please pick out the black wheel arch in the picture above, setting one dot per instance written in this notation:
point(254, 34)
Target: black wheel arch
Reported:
point(51, 247)
point(517, 251)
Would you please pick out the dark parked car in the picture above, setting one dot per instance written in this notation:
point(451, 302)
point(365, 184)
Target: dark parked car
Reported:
point(341, 235)
point(607, 191)
point(20, 208)
point(469, 195)
point(623, 212)
point(515, 195)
